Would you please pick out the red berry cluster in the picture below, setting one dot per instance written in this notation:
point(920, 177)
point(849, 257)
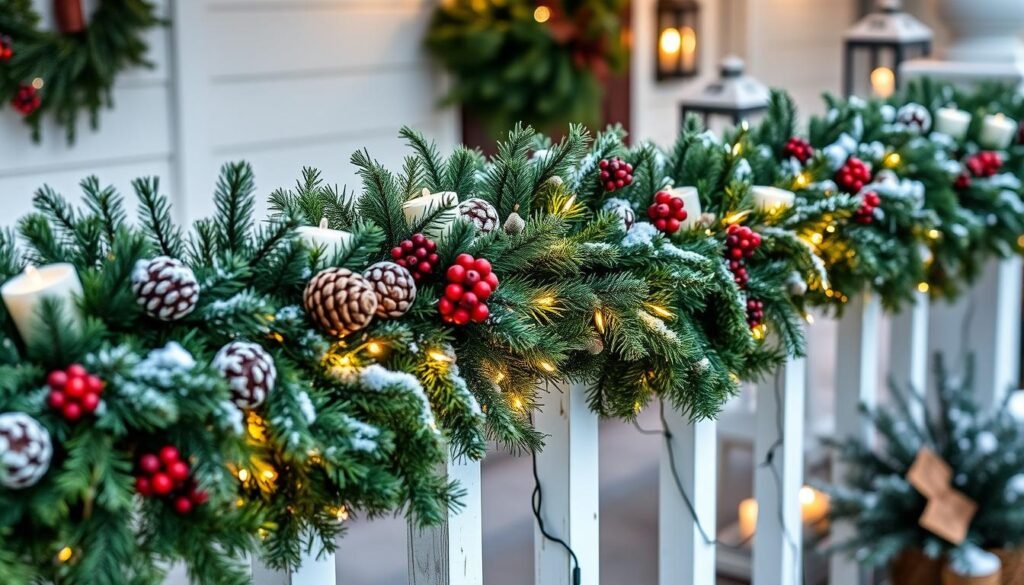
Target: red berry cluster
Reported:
point(165, 475)
point(26, 100)
point(799, 149)
point(853, 175)
point(418, 254)
point(755, 313)
point(6, 48)
point(74, 392)
point(470, 283)
point(615, 173)
point(984, 164)
point(866, 213)
point(740, 243)
point(666, 212)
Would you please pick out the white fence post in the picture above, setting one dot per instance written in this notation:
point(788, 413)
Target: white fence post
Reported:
point(684, 556)
point(568, 471)
point(908, 350)
point(778, 540)
point(451, 554)
point(856, 383)
point(985, 323)
point(312, 572)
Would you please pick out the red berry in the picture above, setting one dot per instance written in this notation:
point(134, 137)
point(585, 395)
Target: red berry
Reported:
point(199, 497)
point(169, 455)
point(418, 239)
point(605, 175)
point(149, 463)
point(178, 471)
point(396, 253)
point(407, 246)
point(673, 225)
point(75, 388)
point(603, 164)
point(72, 411)
point(460, 316)
point(445, 306)
point(161, 483)
point(90, 402)
point(661, 224)
point(94, 384)
point(480, 313)
point(492, 279)
point(469, 300)
point(456, 273)
point(482, 266)
point(482, 290)
point(57, 379)
point(472, 277)
point(675, 203)
point(662, 197)
point(143, 486)
point(465, 261)
point(453, 292)
point(56, 399)
point(420, 253)
point(182, 505)
point(424, 267)
point(77, 371)
point(432, 258)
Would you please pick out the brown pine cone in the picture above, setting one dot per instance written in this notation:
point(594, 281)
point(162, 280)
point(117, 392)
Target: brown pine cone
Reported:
point(394, 286)
point(339, 301)
point(249, 370)
point(165, 287)
point(25, 450)
point(481, 213)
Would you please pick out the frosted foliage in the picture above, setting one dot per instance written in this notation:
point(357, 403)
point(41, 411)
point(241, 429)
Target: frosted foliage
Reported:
point(971, 561)
point(378, 378)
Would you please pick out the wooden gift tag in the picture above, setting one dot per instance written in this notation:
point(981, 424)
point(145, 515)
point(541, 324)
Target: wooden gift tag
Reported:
point(949, 516)
point(930, 474)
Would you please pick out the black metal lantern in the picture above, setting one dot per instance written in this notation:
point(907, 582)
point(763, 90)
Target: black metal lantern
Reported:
point(676, 49)
point(735, 96)
point(876, 47)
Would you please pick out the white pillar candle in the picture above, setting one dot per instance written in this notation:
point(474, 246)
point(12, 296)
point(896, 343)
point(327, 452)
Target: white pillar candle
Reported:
point(997, 131)
point(772, 199)
point(691, 203)
point(323, 237)
point(952, 122)
point(23, 295)
point(416, 209)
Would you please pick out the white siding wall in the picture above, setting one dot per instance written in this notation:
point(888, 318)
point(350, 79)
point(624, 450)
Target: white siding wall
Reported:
point(280, 83)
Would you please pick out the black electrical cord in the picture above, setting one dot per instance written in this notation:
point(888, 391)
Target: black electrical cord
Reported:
point(537, 500)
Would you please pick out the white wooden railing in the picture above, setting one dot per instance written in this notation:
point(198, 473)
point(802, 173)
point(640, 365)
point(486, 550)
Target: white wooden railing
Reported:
point(986, 323)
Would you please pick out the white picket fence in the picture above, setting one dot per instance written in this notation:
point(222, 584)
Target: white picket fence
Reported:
point(986, 323)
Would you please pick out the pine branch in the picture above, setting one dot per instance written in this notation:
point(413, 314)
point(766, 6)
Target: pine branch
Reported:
point(235, 203)
point(155, 217)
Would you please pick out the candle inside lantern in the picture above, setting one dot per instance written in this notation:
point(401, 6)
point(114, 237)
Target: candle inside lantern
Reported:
point(323, 237)
point(813, 505)
point(24, 294)
point(772, 200)
point(997, 131)
point(952, 122)
point(747, 518)
point(689, 48)
point(670, 42)
point(691, 204)
point(416, 209)
point(883, 82)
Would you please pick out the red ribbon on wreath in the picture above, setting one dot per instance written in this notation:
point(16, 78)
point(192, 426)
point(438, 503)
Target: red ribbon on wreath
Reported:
point(571, 31)
point(70, 16)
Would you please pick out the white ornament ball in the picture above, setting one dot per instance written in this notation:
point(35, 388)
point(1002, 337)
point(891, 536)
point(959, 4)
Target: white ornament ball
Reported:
point(796, 285)
point(166, 288)
point(25, 450)
point(915, 117)
point(249, 370)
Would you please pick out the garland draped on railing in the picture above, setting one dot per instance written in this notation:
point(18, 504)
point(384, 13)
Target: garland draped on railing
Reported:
point(244, 387)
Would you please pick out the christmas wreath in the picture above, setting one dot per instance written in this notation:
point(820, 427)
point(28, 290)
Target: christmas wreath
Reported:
point(537, 62)
point(74, 68)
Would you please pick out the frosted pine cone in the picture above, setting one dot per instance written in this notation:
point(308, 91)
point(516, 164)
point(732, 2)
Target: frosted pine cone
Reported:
point(394, 286)
point(514, 223)
point(165, 287)
point(481, 213)
point(25, 451)
point(340, 301)
point(915, 117)
point(249, 370)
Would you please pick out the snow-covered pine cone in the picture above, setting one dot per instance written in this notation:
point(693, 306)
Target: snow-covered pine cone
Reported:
point(394, 286)
point(165, 287)
point(621, 208)
point(481, 213)
point(339, 301)
point(915, 117)
point(25, 450)
point(249, 370)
